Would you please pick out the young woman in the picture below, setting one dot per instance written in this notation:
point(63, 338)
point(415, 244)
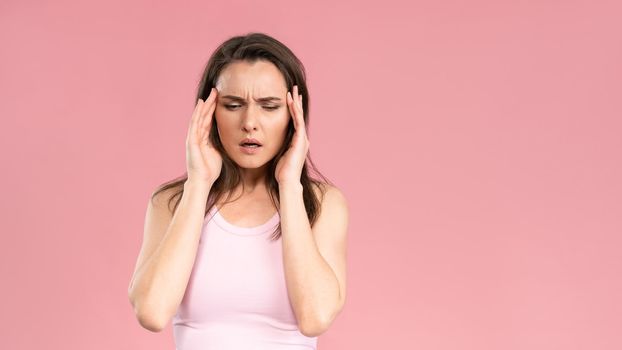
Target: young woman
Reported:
point(209, 263)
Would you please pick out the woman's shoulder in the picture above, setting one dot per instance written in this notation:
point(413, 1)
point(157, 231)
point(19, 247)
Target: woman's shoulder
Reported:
point(329, 193)
point(164, 196)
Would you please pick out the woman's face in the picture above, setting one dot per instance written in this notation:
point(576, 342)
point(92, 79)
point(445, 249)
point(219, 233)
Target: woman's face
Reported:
point(252, 103)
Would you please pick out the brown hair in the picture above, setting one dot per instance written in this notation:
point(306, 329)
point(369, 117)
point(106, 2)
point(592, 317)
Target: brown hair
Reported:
point(252, 47)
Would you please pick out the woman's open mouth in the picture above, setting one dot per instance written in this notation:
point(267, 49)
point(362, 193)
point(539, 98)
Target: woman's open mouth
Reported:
point(250, 148)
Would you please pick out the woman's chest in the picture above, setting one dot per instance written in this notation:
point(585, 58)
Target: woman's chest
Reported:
point(235, 277)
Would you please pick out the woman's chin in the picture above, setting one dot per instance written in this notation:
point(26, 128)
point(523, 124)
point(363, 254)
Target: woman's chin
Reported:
point(249, 163)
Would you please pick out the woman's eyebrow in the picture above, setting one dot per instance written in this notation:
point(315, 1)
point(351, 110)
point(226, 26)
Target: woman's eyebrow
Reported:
point(261, 99)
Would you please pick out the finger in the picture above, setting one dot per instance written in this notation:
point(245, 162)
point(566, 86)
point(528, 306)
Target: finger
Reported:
point(298, 99)
point(289, 107)
point(207, 111)
point(209, 121)
point(205, 106)
point(195, 119)
point(199, 122)
point(292, 109)
point(299, 112)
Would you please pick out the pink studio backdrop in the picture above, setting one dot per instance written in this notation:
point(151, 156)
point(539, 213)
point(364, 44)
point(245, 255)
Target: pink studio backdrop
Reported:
point(478, 144)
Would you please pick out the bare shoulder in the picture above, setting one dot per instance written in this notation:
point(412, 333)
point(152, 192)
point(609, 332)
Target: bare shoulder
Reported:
point(162, 202)
point(330, 228)
point(330, 195)
point(158, 216)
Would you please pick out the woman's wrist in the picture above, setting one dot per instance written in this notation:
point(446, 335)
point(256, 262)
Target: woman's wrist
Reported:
point(294, 185)
point(197, 186)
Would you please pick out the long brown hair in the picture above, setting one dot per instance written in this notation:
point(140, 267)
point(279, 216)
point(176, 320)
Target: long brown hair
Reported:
point(252, 47)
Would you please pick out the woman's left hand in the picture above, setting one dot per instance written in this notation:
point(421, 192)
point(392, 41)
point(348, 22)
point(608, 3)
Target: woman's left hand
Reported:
point(289, 167)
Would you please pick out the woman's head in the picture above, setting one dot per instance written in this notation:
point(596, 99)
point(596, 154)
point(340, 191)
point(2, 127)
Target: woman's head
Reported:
point(252, 67)
point(251, 104)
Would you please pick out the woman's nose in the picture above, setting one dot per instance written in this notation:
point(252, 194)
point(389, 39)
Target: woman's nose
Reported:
point(249, 117)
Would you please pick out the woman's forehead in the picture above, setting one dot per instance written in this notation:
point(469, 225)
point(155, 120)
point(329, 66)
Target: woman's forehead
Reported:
point(258, 79)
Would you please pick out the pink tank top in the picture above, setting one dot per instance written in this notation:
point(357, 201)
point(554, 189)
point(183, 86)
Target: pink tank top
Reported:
point(236, 297)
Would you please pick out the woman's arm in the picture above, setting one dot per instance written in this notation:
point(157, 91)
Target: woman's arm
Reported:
point(314, 260)
point(167, 255)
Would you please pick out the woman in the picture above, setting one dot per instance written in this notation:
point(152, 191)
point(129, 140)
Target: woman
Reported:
point(208, 262)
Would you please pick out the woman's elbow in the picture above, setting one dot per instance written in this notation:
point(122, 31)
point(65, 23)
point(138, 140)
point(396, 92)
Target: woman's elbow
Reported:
point(148, 318)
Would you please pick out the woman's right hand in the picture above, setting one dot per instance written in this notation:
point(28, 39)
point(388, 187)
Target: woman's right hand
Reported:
point(203, 161)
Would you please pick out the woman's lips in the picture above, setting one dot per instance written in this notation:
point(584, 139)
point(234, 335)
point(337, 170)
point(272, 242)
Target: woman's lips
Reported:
point(250, 149)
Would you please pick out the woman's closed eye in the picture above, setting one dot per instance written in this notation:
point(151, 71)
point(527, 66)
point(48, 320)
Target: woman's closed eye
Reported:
point(234, 107)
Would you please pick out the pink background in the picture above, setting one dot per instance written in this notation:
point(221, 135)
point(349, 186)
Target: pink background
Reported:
point(478, 144)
